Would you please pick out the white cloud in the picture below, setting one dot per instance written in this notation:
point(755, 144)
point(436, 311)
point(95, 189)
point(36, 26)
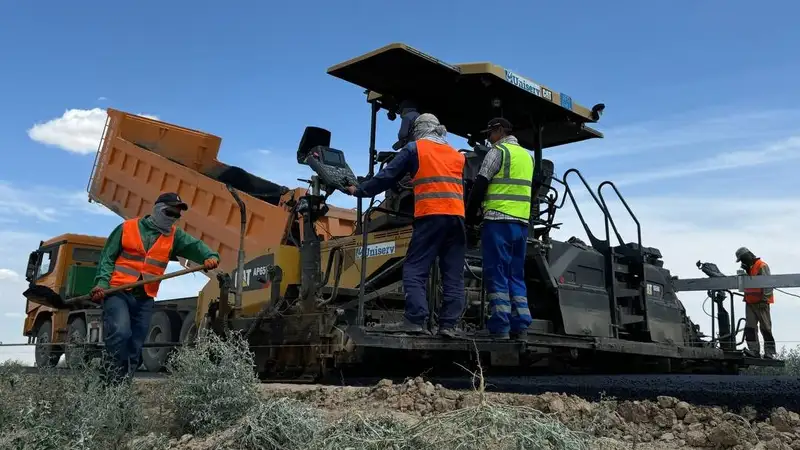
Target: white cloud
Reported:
point(784, 150)
point(76, 131)
point(8, 274)
point(694, 131)
point(101, 99)
point(43, 203)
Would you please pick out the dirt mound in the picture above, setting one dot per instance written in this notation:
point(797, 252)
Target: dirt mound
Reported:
point(666, 422)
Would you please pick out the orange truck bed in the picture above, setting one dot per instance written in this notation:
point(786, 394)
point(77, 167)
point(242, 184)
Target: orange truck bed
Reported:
point(139, 158)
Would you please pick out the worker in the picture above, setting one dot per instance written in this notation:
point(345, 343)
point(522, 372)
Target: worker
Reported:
point(436, 171)
point(137, 249)
point(757, 305)
point(503, 189)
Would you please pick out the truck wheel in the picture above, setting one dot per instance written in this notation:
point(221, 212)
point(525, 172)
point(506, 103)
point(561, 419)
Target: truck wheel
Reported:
point(75, 353)
point(188, 330)
point(164, 329)
point(46, 355)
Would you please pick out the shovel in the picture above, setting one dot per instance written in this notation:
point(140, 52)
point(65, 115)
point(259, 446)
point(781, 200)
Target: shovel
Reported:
point(88, 297)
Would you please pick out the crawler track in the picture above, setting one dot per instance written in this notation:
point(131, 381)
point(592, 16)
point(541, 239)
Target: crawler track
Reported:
point(731, 391)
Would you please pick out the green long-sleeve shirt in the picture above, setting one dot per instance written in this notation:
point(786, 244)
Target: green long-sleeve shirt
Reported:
point(184, 246)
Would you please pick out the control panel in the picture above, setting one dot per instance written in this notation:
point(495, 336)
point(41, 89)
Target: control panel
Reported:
point(331, 166)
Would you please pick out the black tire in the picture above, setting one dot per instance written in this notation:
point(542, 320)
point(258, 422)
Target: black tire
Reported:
point(75, 353)
point(46, 355)
point(164, 328)
point(188, 333)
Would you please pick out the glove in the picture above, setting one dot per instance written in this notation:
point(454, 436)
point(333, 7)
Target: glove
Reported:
point(97, 294)
point(210, 263)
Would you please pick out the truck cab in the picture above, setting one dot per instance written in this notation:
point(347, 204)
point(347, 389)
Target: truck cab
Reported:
point(62, 267)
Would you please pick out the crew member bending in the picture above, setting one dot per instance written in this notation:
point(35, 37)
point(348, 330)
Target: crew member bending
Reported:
point(437, 172)
point(139, 249)
point(503, 186)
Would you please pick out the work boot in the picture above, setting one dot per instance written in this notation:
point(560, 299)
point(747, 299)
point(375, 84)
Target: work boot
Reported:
point(519, 335)
point(749, 353)
point(487, 333)
point(401, 327)
point(449, 333)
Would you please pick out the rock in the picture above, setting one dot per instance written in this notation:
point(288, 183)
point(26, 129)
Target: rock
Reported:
point(696, 439)
point(427, 389)
point(443, 405)
point(696, 427)
point(667, 402)
point(784, 420)
point(405, 402)
point(556, 405)
point(385, 383)
point(767, 432)
point(667, 437)
point(451, 395)
point(633, 412)
point(185, 438)
point(681, 409)
point(665, 418)
point(382, 393)
point(776, 444)
point(725, 435)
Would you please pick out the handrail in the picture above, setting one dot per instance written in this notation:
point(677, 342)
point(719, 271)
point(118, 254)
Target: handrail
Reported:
point(611, 221)
point(597, 243)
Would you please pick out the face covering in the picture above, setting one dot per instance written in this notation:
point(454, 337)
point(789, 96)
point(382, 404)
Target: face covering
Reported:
point(161, 219)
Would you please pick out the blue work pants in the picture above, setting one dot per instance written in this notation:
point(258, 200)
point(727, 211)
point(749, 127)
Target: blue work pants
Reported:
point(503, 247)
point(126, 320)
point(445, 237)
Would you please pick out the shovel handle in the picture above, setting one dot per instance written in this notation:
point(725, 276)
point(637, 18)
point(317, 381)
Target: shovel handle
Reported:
point(177, 273)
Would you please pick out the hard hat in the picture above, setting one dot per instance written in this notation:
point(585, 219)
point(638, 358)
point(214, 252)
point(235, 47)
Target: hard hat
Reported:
point(741, 252)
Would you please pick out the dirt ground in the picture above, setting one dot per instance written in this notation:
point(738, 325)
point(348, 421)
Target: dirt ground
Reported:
point(664, 423)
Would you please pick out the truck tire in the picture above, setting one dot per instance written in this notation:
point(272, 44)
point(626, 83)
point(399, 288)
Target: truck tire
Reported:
point(188, 330)
point(164, 328)
point(75, 353)
point(46, 355)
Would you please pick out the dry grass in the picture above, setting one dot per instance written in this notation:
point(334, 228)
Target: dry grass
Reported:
point(64, 411)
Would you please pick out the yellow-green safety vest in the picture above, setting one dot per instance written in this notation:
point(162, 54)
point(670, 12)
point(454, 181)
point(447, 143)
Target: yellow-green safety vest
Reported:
point(510, 190)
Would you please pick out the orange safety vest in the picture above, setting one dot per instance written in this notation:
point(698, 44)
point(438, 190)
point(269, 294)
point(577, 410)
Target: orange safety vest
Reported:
point(438, 183)
point(134, 263)
point(756, 295)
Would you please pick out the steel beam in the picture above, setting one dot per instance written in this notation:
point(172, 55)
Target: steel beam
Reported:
point(737, 282)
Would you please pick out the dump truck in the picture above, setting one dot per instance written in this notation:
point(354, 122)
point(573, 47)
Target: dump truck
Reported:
point(305, 282)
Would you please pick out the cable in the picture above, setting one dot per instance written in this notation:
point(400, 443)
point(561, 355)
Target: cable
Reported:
point(787, 293)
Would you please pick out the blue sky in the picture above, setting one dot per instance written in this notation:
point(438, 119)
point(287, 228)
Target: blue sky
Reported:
point(700, 120)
